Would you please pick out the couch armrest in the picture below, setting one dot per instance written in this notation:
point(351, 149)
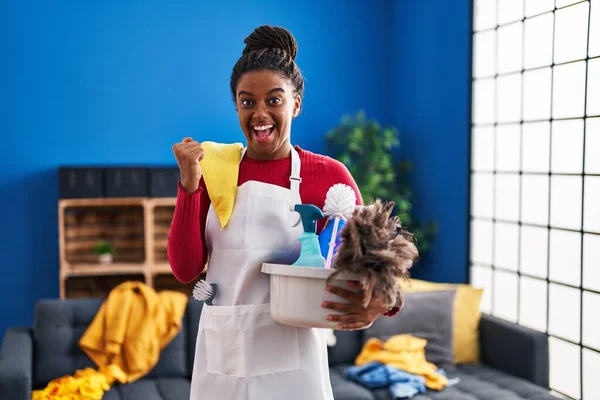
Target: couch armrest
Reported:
point(16, 363)
point(514, 349)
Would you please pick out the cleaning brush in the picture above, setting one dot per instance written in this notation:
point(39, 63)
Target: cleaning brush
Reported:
point(378, 249)
point(340, 202)
point(203, 291)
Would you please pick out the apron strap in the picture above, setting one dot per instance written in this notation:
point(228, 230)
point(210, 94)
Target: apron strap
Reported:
point(295, 177)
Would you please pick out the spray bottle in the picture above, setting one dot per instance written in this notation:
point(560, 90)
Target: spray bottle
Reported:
point(310, 254)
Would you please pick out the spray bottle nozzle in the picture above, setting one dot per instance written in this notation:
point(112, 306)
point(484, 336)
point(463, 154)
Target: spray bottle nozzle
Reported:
point(309, 215)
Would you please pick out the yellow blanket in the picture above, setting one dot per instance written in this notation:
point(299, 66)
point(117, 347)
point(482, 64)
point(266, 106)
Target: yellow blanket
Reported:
point(124, 340)
point(405, 352)
point(220, 169)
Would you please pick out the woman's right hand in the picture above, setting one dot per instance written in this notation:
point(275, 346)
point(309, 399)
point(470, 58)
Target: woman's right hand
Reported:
point(188, 154)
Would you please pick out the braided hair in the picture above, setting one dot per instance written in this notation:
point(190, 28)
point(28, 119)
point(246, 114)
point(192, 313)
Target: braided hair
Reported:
point(271, 48)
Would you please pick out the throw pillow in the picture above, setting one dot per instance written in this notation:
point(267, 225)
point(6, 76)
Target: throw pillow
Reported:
point(427, 315)
point(467, 315)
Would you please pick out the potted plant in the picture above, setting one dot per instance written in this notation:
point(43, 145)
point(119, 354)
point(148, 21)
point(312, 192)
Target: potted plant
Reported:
point(105, 252)
point(367, 149)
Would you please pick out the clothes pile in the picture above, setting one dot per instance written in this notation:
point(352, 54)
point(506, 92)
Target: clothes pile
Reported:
point(398, 364)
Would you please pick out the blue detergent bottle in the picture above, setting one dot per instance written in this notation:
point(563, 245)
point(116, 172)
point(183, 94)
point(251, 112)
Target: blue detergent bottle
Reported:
point(326, 236)
point(310, 254)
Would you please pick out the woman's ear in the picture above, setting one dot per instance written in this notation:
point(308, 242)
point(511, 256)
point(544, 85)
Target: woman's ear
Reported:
point(297, 105)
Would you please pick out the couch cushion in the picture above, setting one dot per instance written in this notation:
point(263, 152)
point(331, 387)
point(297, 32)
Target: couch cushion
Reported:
point(151, 389)
point(344, 389)
point(480, 383)
point(58, 326)
point(347, 346)
point(176, 360)
point(427, 315)
point(466, 316)
point(192, 317)
point(473, 377)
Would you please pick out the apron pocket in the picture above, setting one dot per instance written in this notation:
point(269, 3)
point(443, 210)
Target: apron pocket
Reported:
point(247, 342)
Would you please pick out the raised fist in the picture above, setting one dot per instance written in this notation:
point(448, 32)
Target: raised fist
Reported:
point(188, 154)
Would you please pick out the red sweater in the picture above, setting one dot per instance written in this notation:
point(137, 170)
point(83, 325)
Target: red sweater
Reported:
point(186, 248)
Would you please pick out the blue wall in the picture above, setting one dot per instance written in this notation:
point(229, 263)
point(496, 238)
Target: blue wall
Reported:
point(115, 82)
point(432, 56)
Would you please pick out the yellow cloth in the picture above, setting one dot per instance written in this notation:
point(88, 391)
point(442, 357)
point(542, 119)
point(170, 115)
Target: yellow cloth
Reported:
point(466, 316)
point(125, 339)
point(405, 352)
point(220, 169)
point(85, 384)
point(132, 326)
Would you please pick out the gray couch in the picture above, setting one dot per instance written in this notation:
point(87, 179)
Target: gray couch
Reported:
point(515, 360)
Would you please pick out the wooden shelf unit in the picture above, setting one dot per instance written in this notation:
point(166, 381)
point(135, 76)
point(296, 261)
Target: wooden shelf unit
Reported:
point(138, 227)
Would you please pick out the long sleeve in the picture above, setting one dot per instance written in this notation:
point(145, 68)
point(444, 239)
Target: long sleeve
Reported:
point(186, 247)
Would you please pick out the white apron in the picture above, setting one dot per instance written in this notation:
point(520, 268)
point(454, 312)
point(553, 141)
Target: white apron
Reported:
point(241, 352)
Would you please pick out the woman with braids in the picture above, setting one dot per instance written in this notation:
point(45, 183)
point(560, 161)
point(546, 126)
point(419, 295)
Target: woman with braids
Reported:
point(241, 352)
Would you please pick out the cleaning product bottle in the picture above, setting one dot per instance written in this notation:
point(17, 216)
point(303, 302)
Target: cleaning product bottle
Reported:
point(310, 254)
point(340, 203)
point(327, 237)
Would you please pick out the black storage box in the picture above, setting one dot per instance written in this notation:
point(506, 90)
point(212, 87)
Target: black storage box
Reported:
point(125, 182)
point(163, 181)
point(80, 182)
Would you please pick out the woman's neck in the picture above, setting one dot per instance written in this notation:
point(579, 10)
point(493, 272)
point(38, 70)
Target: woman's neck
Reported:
point(284, 151)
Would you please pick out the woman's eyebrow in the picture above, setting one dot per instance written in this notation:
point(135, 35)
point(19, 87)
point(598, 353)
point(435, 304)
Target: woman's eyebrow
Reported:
point(278, 89)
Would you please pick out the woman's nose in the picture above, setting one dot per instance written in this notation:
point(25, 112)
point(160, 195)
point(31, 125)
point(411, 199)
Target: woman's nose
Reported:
point(260, 111)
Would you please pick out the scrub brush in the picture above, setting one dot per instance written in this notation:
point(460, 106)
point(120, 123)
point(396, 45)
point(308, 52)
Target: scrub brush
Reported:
point(378, 249)
point(203, 291)
point(340, 202)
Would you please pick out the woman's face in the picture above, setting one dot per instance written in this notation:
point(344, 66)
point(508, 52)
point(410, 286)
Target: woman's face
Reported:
point(266, 105)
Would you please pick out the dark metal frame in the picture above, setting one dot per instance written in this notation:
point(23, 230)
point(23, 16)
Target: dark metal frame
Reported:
point(583, 175)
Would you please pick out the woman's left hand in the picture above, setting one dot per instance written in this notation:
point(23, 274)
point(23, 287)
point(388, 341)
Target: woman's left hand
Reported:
point(357, 316)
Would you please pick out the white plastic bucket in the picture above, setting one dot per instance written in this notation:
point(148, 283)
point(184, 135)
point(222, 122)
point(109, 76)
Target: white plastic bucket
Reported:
point(297, 293)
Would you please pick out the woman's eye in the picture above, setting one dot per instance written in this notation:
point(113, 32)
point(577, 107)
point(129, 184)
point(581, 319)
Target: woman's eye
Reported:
point(275, 101)
point(246, 103)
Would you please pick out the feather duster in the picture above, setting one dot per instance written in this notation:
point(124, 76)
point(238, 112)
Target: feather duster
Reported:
point(378, 249)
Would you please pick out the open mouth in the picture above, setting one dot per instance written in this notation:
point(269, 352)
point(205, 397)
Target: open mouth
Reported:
point(263, 133)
